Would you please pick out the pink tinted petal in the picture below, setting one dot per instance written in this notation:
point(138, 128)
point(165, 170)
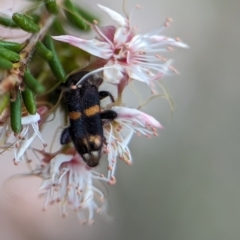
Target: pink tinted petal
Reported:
point(108, 31)
point(132, 114)
point(42, 110)
point(94, 46)
point(114, 15)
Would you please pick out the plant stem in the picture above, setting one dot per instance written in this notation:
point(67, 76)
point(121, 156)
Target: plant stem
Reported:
point(14, 77)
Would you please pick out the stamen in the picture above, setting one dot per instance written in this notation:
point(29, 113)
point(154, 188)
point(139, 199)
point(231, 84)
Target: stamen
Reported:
point(112, 180)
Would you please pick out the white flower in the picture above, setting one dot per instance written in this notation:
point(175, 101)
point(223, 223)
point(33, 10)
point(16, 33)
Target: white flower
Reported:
point(29, 132)
point(119, 133)
point(68, 180)
point(127, 55)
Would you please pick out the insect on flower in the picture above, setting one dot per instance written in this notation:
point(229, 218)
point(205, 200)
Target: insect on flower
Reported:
point(85, 116)
point(68, 181)
point(126, 54)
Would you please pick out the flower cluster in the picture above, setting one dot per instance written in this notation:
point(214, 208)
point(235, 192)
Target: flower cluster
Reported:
point(121, 55)
point(127, 55)
point(67, 180)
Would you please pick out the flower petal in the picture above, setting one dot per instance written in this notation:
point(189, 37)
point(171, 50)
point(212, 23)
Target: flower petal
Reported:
point(56, 163)
point(121, 36)
point(136, 72)
point(168, 41)
point(25, 144)
point(124, 113)
point(113, 72)
point(114, 15)
point(95, 47)
point(30, 119)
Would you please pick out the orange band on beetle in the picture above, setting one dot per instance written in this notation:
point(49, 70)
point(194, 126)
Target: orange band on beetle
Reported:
point(92, 110)
point(74, 115)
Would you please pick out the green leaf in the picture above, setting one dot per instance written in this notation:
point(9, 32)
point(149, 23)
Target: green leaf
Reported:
point(51, 6)
point(16, 47)
point(54, 63)
point(16, 114)
point(32, 82)
point(4, 101)
point(43, 52)
point(8, 22)
point(29, 101)
point(25, 22)
point(73, 16)
point(9, 55)
point(5, 64)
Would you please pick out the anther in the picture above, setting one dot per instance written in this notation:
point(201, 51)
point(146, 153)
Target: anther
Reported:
point(112, 180)
point(173, 69)
point(169, 19)
point(83, 222)
point(169, 48)
point(64, 214)
point(90, 222)
point(138, 134)
point(129, 162)
point(166, 24)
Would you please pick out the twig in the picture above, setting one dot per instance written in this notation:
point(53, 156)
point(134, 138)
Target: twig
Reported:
point(15, 75)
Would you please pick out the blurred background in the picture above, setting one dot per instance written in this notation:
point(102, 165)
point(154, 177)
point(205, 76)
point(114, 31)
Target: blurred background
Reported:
point(184, 184)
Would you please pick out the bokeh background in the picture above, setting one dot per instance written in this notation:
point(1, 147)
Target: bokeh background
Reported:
point(184, 184)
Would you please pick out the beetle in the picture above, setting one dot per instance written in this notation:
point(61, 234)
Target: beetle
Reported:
point(85, 116)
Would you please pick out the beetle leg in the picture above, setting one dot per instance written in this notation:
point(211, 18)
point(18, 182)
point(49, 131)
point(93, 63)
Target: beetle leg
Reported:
point(108, 114)
point(103, 94)
point(65, 136)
